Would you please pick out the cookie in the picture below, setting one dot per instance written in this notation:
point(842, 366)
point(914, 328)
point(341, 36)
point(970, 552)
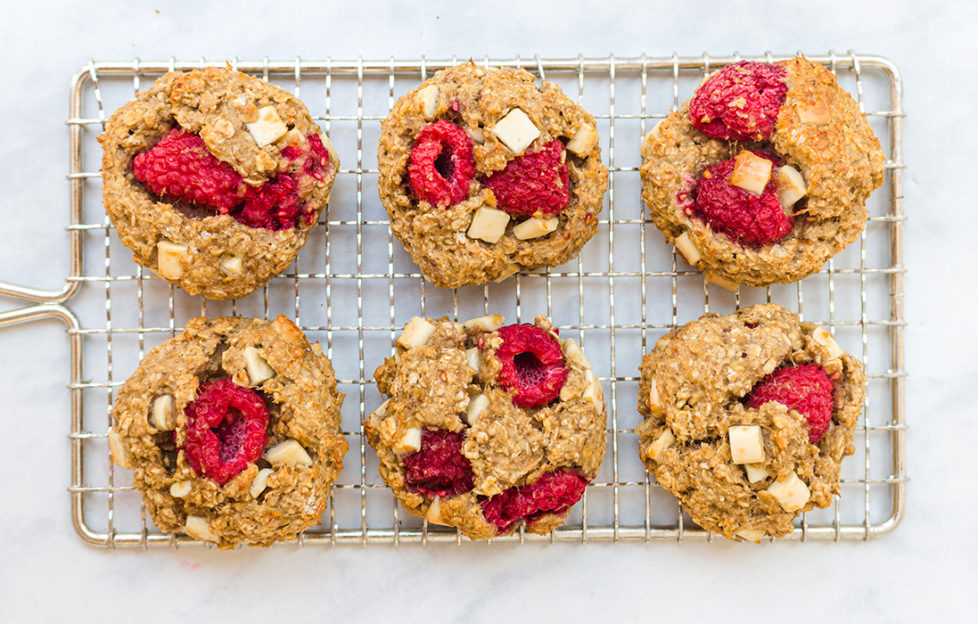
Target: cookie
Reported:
point(487, 426)
point(484, 174)
point(213, 179)
point(747, 418)
point(763, 174)
point(232, 431)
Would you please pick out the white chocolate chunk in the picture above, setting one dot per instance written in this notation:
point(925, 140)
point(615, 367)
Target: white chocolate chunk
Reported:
point(488, 224)
point(382, 408)
point(268, 128)
point(410, 441)
point(475, 134)
point(593, 393)
point(655, 402)
point(746, 444)
point(428, 96)
point(472, 357)
point(258, 369)
point(161, 413)
point(756, 472)
point(751, 535)
point(584, 140)
point(723, 282)
point(792, 492)
point(660, 444)
point(477, 405)
point(434, 511)
point(535, 227)
point(120, 457)
point(791, 186)
point(686, 247)
point(260, 482)
point(179, 489)
point(823, 337)
point(288, 451)
point(516, 130)
point(198, 528)
point(233, 264)
point(751, 172)
point(488, 323)
point(816, 112)
point(168, 257)
point(416, 333)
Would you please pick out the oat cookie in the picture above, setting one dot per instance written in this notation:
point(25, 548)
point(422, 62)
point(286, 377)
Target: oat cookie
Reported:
point(484, 174)
point(232, 431)
point(488, 426)
point(747, 418)
point(213, 179)
point(764, 174)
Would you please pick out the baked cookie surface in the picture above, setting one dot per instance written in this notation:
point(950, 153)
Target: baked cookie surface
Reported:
point(484, 174)
point(232, 431)
point(213, 179)
point(764, 174)
point(488, 426)
point(747, 418)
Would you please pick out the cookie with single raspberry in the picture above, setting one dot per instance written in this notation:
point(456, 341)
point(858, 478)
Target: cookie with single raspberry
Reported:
point(484, 174)
point(214, 178)
point(488, 427)
point(228, 426)
point(747, 418)
point(763, 174)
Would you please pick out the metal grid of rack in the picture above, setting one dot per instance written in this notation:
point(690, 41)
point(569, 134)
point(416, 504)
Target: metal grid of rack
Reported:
point(353, 287)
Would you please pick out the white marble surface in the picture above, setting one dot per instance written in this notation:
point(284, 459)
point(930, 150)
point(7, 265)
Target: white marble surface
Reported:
point(925, 570)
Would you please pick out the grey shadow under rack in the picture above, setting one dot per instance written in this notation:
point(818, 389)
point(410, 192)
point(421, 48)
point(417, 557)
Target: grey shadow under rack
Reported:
point(625, 290)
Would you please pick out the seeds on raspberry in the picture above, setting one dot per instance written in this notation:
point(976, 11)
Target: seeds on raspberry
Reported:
point(441, 164)
point(534, 182)
point(439, 468)
point(554, 492)
point(748, 218)
point(532, 365)
point(741, 102)
point(805, 388)
point(226, 429)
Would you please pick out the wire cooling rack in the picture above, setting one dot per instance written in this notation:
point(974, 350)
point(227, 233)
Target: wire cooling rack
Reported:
point(353, 287)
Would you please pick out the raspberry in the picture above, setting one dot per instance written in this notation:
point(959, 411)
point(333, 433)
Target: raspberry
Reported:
point(741, 102)
point(532, 365)
point(438, 468)
point(441, 165)
point(534, 182)
point(743, 216)
point(805, 388)
point(226, 427)
point(553, 492)
point(179, 167)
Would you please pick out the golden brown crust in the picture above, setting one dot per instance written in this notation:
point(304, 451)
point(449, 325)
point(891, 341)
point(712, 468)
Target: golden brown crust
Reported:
point(216, 104)
point(700, 373)
point(430, 386)
point(841, 160)
point(304, 406)
point(436, 237)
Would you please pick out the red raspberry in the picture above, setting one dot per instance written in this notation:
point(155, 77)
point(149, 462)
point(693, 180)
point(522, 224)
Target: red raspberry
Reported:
point(438, 468)
point(745, 217)
point(532, 365)
point(226, 427)
point(553, 492)
point(534, 182)
point(741, 102)
point(441, 165)
point(179, 167)
point(805, 388)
